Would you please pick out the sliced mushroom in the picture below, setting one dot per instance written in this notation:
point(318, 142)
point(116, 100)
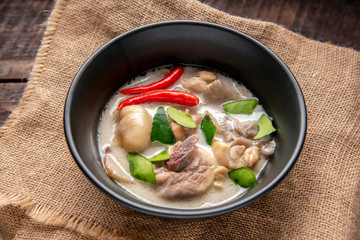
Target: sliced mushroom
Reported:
point(267, 148)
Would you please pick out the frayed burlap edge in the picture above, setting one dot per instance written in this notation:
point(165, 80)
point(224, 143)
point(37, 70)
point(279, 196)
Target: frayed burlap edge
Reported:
point(49, 216)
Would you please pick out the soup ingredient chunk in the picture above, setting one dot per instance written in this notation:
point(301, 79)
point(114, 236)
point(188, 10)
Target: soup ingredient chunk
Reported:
point(221, 153)
point(164, 83)
point(193, 180)
point(221, 175)
point(267, 148)
point(265, 127)
point(161, 156)
point(161, 130)
point(208, 128)
point(199, 83)
point(250, 156)
point(195, 83)
point(169, 96)
point(243, 176)
point(235, 155)
point(247, 129)
point(181, 118)
point(206, 76)
point(220, 91)
point(133, 128)
point(245, 106)
point(115, 170)
point(180, 157)
point(178, 131)
point(141, 168)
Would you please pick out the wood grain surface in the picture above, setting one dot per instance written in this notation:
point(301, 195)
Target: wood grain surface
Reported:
point(22, 24)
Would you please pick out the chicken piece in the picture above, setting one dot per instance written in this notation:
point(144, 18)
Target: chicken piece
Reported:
point(197, 119)
point(247, 129)
point(221, 153)
point(181, 155)
point(220, 177)
point(236, 151)
point(193, 180)
point(178, 131)
point(250, 156)
point(195, 83)
point(115, 170)
point(133, 128)
point(206, 76)
point(220, 91)
point(267, 148)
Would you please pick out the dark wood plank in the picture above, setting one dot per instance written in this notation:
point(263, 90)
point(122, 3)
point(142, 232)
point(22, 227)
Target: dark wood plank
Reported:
point(21, 30)
point(10, 94)
point(15, 69)
point(334, 21)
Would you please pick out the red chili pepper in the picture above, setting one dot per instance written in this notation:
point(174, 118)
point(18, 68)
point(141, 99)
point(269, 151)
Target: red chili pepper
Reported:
point(164, 83)
point(170, 96)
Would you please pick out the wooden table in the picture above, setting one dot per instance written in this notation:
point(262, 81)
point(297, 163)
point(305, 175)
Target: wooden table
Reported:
point(22, 27)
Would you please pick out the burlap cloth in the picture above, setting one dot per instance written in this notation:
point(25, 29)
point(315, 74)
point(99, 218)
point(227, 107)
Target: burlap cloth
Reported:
point(43, 194)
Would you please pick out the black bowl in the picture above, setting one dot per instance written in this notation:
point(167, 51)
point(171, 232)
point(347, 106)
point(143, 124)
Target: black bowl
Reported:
point(184, 42)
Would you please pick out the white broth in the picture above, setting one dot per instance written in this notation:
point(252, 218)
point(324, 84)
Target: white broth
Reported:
point(222, 188)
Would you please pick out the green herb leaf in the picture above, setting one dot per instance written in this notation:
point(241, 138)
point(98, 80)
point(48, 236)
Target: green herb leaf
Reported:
point(164, 155)
point(161, 129)
point(208, 128)
point(244, 177)
point(181, 118)
point(141, 168)
point(246, 106)
point(265, 127)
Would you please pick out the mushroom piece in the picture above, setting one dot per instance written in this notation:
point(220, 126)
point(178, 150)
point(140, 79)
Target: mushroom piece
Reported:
point(247, 129)
point(115, 170)
point(267, 148)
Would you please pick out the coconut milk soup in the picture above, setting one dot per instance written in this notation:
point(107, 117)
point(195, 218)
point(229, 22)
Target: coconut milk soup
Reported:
point(200, 145)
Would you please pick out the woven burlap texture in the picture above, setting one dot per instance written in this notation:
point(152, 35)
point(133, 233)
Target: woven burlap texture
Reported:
point(44, 195)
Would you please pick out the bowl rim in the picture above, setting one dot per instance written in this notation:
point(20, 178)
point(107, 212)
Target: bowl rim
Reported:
point(179, 213)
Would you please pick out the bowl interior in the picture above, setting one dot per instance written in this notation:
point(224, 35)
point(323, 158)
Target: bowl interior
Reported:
point(194, 43)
